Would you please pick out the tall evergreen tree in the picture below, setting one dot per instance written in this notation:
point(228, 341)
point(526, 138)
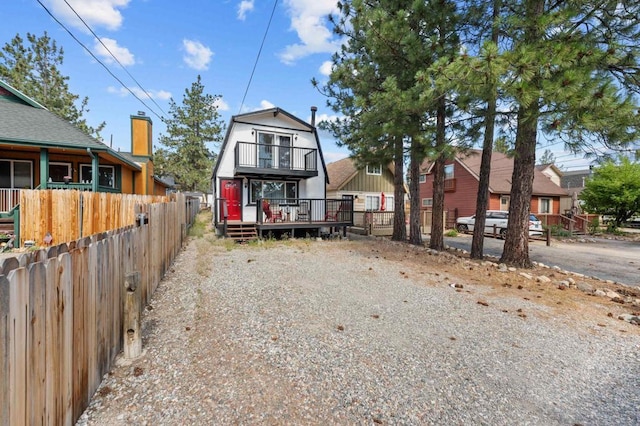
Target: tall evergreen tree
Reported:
point(34, 70)
point(185, 155)
point(374, 84)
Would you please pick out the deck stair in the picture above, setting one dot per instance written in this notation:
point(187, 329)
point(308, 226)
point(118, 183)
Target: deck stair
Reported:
point(241, 232)
point(6, 225)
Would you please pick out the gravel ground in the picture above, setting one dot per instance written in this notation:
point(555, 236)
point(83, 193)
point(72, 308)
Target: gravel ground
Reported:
point(368, 332)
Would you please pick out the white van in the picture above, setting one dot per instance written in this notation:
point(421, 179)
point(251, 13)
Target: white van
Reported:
point(498, 218)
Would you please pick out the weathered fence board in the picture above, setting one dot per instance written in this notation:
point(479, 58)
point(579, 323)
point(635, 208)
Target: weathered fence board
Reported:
point(61, 308)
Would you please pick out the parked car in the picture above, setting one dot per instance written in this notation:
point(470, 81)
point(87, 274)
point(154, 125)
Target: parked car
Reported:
point(499, 219)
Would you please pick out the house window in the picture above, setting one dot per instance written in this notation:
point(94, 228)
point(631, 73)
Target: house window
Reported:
point(423, 178)
point(427, 202)
point(504, 202)
point(284, 192)
point(544, 205)
point(274, 151)
point(57, 171)
point(389, 203)
point(372, 202)
point(448, 171)
point(374, 170)
point(106, 175)
point(16, 174)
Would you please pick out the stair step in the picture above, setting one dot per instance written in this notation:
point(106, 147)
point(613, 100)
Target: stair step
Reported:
point(242, 232)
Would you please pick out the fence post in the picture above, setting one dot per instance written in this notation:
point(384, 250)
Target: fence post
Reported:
point(131, 321)
point(548, 237)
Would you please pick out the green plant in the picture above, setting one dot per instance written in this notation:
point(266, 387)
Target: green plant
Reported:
point(558, 231)
point(451, 233)
point(594, 226)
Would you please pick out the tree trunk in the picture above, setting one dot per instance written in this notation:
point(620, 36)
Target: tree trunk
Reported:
point(516, 245)
point(482, 200)
point(399, 225)
point(437, 221)
point(415, 233)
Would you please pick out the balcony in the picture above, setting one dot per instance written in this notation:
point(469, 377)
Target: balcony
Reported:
point(450, 185)
point(265, 160)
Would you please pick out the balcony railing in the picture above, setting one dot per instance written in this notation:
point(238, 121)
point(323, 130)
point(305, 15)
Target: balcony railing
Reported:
point(276, 159)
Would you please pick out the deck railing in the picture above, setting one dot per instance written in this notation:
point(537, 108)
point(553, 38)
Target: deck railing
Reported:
point(9, 198)
point(311, 210)
point(266, 156)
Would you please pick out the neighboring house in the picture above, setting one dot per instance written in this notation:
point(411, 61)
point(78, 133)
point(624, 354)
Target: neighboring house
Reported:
point(573, 182)
point(462, 177)
point(368, 185)
point(551, 171)
point(40, 150)
point(270, 173)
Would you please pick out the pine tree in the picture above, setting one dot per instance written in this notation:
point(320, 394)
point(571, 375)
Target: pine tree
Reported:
point(185, 155)
point(34, 70)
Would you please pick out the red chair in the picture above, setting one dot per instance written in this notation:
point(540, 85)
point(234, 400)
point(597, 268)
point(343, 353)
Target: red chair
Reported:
point(270, 215)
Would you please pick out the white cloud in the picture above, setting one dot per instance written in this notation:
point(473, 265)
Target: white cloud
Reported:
point(197, 55)
point(326, 67)
point(244, 7)
point(221, 105)
point(154, 94)
point(96, 13)
point(264, 104)
point(121, 53)
point(309, 21)
point(331, 157)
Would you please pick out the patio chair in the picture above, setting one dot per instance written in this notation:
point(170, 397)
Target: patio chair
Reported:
point(304, 213)
point(333, 215)
point(270, 215)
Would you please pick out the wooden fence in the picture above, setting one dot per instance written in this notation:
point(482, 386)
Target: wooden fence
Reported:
point(69, 214)
point(61, 313)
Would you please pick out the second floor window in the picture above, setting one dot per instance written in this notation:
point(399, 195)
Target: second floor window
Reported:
point(274, 151)
point(374, 170)
point(448, 171)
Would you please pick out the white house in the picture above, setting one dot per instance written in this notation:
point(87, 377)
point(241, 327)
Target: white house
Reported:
point(271, 173)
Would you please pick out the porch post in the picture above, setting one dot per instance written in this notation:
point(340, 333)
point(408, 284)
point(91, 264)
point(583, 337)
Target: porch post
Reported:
point(44, 167)
point(94, 172)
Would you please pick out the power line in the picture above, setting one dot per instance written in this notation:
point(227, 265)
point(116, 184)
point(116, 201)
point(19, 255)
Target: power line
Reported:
point(255, 64)
point(114, 57)
point(98, 60)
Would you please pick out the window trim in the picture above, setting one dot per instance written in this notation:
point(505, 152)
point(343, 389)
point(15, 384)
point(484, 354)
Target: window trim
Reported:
point(60, 163)
point(422, 178)
point(449, 175)
point(100, 166)
point(427, 202)
point(275, 156)
point(550, 200)
point(252, 202)
point(368, 197)
point(374, 170)
point(12, 176)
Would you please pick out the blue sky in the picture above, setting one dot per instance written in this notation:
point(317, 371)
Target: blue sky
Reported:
point(166, 44)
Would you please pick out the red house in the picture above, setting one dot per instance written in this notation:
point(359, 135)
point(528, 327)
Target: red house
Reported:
point(462, 176)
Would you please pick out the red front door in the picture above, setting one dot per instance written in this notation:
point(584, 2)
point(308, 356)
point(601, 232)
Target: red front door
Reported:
point(231, 190)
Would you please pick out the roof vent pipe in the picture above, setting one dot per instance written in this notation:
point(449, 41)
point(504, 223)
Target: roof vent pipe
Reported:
point(313, 115)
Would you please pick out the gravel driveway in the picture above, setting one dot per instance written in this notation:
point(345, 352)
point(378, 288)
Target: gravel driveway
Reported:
point(364, 333)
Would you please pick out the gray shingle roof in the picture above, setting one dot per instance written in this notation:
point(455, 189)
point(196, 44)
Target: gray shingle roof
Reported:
point(25, 122)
